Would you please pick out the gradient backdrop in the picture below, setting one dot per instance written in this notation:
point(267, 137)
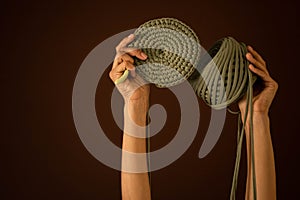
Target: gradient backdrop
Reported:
point(42, 47)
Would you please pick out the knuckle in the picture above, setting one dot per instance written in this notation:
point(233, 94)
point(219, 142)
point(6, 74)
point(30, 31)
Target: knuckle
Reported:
point(276, 85)
point(123, 54)
point(130, 59)
point(111, 75)
point(120, 57)
point(116, 58)
point(273, 83)
point(135, 51)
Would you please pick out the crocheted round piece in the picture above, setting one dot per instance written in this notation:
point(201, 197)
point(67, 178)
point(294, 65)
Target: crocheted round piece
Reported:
point(172, 48)
point(224, 79)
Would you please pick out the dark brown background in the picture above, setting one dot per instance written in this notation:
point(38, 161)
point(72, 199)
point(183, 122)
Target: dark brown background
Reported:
point(43, 45)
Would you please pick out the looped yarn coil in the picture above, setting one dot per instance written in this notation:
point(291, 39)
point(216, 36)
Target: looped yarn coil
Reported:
point(223, 80)
point(220, 77)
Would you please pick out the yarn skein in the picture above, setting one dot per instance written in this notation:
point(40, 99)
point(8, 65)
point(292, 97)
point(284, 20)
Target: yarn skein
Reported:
point(220, 77)
point(223, 80)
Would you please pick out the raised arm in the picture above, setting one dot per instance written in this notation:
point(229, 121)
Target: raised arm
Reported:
point(135, 186)
point(263, 149)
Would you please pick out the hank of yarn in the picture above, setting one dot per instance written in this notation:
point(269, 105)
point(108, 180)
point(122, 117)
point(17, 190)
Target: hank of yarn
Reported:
point(224, 77)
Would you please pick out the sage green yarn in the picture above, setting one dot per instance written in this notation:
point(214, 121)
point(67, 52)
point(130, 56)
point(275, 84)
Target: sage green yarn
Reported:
point(172, 48)
point(220, 77)
point(224, 78)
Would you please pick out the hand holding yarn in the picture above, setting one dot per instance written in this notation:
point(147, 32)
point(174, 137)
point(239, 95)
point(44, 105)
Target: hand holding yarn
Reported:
point(264, 96)
point(130, 84)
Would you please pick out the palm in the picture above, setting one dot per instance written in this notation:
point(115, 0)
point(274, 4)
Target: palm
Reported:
point(134, 88)
point(262, 100)
point(264, 96)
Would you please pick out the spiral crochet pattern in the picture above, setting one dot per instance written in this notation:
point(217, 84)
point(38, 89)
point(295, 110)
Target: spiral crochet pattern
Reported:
point(172, 48)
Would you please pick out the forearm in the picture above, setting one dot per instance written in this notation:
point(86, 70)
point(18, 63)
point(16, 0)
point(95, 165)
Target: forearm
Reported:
point(264, 159)
point(135, 186)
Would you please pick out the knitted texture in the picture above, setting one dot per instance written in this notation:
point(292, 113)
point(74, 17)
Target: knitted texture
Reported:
point(172, 48)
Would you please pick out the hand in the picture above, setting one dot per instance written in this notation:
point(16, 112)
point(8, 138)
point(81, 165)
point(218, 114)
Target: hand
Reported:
point(262, 98)
point(134, 87)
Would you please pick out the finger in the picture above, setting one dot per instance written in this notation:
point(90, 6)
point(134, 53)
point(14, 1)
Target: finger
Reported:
point(262, 74)
point(268, 81)
point(256, 55)
point(121, 48)
point(127, 66)
point(118, 71)
point(127, 58)
point(136, 52)
point(124, 42)
point(122, 78)
point(120, 58)
point(123, 66)
point(254, 61)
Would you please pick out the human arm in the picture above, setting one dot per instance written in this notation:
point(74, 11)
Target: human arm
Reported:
point(135, 186)
point(135, 91)
point(263, 149)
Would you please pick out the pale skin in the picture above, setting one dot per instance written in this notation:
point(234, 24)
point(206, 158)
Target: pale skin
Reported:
point(135, 186)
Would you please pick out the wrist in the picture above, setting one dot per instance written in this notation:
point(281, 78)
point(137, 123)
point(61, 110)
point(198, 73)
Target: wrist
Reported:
point(139, 106)
point(135, 118)
point(136, 110)
point(259, 114)
point(259, 119)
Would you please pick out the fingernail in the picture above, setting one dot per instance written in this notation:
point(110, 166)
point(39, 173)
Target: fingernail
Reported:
point(144, 55)
point(130, 36)
point(249, 47)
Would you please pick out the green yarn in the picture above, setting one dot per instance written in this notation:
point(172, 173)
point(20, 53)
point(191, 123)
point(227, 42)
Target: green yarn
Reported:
point(224, 78)
point(173, 51)
point(220, 77)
